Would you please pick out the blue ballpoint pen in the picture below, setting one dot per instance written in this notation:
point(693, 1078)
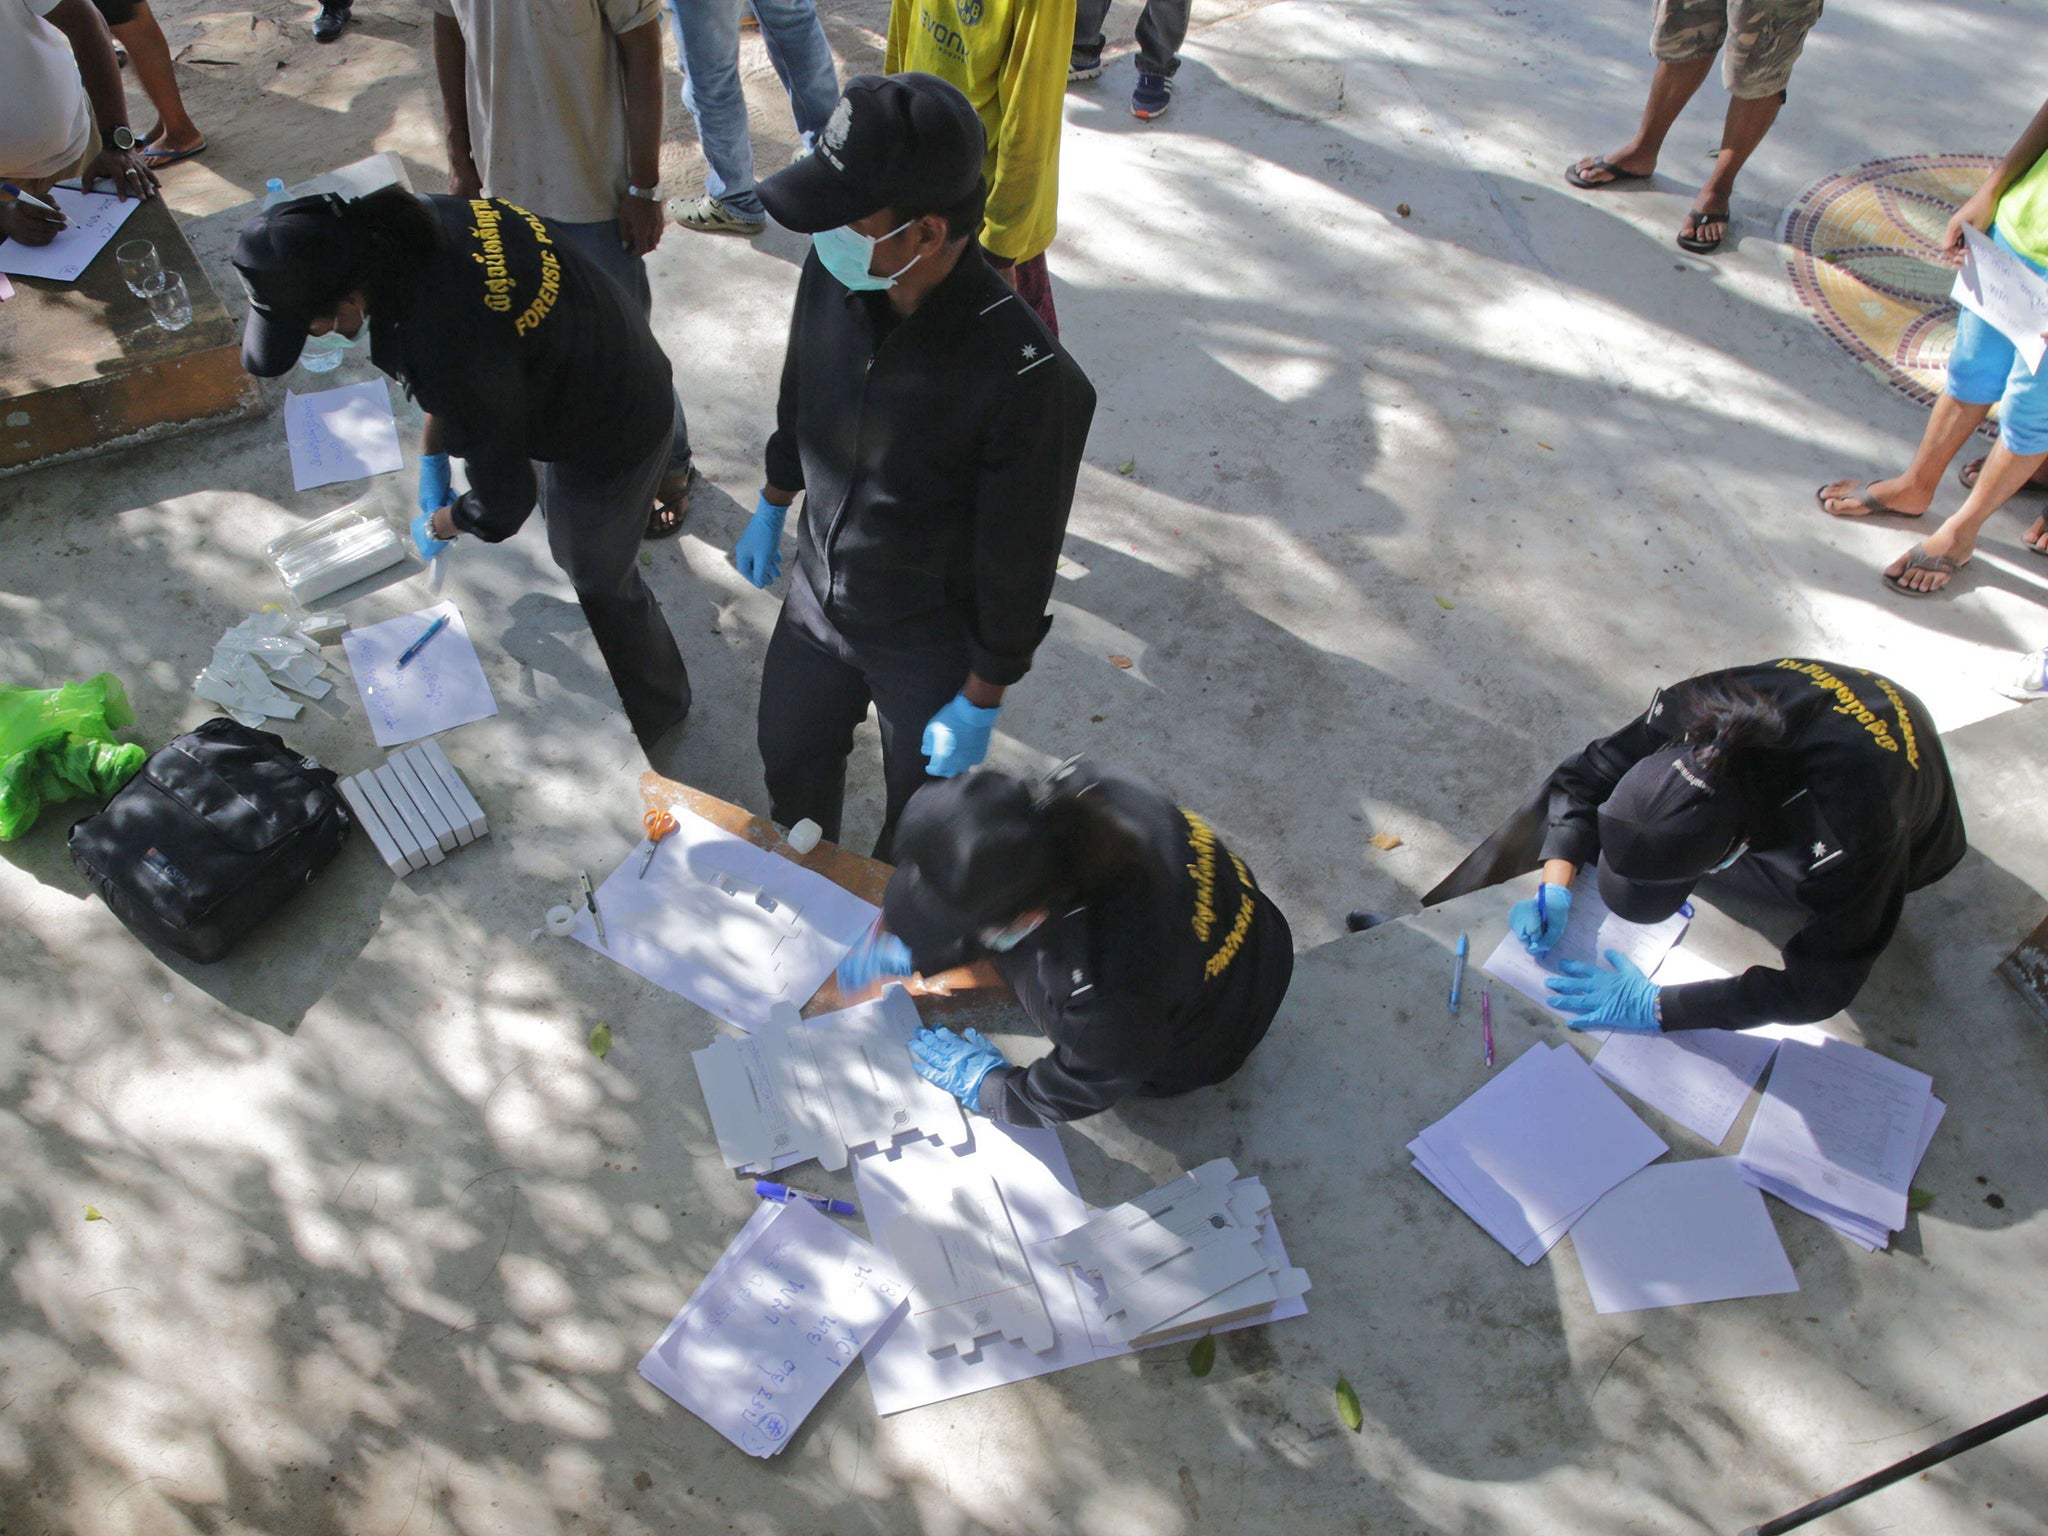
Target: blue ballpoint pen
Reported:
point(1458, 968)
point(420, 644)
point(769, 1190)
point(1542, 916)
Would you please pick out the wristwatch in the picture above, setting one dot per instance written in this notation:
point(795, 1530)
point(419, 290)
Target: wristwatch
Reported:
point(121, 138)
point(652, 194)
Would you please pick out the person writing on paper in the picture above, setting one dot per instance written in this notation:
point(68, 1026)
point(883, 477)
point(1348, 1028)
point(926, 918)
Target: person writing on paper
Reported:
point(935, 427)
point(1984, 370)
point(1802, 785)
point(1133, 937)
point(533, 367)
point(62, 114)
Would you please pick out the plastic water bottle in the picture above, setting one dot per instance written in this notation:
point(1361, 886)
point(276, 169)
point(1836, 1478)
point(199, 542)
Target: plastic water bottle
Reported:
point(273, 192)
point(322, 354)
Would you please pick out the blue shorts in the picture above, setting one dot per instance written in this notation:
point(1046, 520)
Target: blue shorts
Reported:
point(1986, 369)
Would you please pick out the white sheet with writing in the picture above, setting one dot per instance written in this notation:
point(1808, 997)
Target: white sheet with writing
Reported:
point(341, 434)
point(96, 217)
point(2005, 293)
point(1589, 933)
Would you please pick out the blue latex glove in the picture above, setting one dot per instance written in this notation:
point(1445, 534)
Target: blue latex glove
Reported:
point(956, 1063)
point(423, 538)
point(437, 489)
point(956, 738)
point(1538, 937)
point(758, 554)
point(877, 957)
point(1623, 998)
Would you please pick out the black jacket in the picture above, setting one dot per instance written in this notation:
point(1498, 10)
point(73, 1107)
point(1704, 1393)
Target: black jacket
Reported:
point(937, 455)
point(1160, 987)
point(1857, 808)
point(524, 350)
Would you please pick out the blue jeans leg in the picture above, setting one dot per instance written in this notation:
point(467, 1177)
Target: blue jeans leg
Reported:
point(600, 242)
point(708, 44)
point(803, 61)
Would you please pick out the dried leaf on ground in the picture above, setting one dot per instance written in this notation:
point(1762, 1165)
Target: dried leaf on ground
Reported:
point(601, 1041)
point(1120, 661)
point(1445, 603)
point(1384, 841)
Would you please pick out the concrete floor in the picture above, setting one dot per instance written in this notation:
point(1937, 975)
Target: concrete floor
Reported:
point(1416, 504)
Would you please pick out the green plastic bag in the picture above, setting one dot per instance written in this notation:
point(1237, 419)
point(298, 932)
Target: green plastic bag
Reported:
point(58, 744)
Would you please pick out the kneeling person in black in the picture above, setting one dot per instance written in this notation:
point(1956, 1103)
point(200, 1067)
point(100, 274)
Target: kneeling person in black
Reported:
point(520, 351)
point(1132, 936)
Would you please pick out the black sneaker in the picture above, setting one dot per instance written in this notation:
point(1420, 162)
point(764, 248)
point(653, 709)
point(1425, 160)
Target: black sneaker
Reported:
point(1152, 97)
point(1081, 74)
point(328, 25)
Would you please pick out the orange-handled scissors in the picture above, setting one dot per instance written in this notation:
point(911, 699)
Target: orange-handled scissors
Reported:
point(659, 824)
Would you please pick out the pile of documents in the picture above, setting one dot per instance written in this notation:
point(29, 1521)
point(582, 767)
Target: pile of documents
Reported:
point(251, 660)
point(1530, 1152)
point(1839, 1135)
point(415, 808)
point(1186, 1256)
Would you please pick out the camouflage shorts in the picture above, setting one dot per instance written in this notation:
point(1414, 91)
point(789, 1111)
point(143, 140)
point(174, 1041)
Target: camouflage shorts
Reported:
point(1762, 38)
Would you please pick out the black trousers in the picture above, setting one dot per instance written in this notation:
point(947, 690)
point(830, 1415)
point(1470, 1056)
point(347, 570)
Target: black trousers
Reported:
point(595, 520)
point(816, 685)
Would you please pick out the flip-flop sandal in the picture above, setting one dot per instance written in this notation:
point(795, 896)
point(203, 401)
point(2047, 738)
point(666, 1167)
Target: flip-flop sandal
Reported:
point(2041, 548)
point(157, 159)
point(1920, 560)
point(668, 517)
point(1687, 241)
point(1872, 506)
point(1575, 173)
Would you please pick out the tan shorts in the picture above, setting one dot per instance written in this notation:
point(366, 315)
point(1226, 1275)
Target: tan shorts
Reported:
point(1762, 39)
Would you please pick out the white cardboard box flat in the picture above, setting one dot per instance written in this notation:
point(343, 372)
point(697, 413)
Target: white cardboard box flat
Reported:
point(464, 800)
point(430, 780)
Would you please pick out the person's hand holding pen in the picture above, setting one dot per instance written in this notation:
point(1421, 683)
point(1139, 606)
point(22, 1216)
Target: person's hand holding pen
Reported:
point(30, 219)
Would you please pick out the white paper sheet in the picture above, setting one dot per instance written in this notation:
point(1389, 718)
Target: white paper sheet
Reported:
point(1841, 1124)
point(341, 434)
point(95, 219)
point(776, 1320)
point(1869, 1235)
point(1589, 933)
point(2005, 293)
point(1038, 1187)
point(439, 689)
point(1681, 1233)
point(734, 928)
point(1533, 1148)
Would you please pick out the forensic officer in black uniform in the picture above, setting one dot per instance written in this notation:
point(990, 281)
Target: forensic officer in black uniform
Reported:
point(935, 428)
point(521, 351)
point(1802, 784)
point(1133, 937)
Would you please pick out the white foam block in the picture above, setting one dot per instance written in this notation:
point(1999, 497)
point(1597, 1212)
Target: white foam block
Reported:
point(438, 820)
point(430, 780)
point(417, 830)
point(464, 800)
point(373, 826)
point(394, 825)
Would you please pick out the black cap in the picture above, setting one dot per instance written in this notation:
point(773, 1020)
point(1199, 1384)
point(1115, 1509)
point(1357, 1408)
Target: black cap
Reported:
point(293, 259)
point(971, 854)
point(894, 141)
point(1668, 822)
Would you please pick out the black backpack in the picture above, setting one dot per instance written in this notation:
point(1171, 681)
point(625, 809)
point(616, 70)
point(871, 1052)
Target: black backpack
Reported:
point(216, 832)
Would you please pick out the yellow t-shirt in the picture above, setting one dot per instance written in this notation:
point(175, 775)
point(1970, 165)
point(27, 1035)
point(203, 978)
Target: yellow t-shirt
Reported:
point(1009, 58)
point(2022, 215)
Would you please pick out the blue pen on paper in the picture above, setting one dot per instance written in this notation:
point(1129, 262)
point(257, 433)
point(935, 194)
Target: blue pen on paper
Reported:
point(420, 644)
point(1542, 915)
point(768, 1190)
point(1458, 969)
point(30, 198)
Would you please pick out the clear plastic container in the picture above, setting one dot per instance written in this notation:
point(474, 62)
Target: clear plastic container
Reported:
point(335, 551)
point(323, 354)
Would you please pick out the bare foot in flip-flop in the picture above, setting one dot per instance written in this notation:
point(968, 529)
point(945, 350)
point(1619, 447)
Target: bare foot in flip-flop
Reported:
point(2036, 537)
point(1611, 170)
point(1870, 498)
point(1925, 570)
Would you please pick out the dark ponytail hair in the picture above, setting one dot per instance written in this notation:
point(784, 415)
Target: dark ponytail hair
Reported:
point(395, 233)
point(1729, 726)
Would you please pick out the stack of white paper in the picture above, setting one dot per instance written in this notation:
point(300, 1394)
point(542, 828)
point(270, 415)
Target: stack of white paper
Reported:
point(1680, 1233)
point(1589, 933)
point(1839, 1134)
point(1185, 1256)
point(780, 1315)
point(822, 1087)
point(1529, 1153)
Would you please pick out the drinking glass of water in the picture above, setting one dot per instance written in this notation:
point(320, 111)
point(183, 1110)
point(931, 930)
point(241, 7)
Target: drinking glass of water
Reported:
point(169, 305)
point(138, 263)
